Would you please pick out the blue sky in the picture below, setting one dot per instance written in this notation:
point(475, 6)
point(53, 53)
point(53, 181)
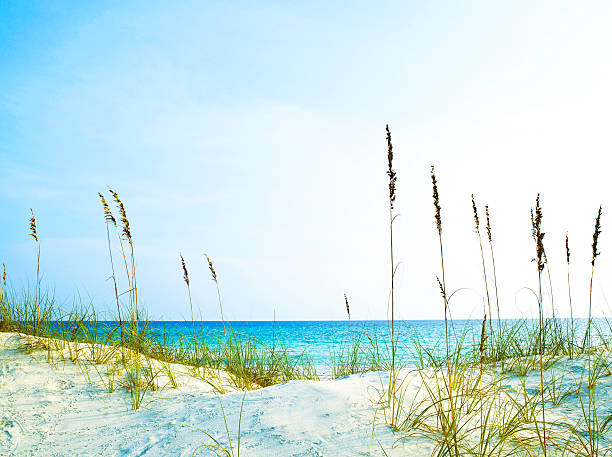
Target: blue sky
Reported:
point(254, 131)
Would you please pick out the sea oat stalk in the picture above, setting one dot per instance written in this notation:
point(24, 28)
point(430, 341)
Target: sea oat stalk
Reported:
point(569, 293)
point(392, 183)
point(592, 420)
point(214, 278)
point(484, 268)
point(442, 284)
point(34, 234)
point(110, 219)
point(124, 234)
point(481, 351)
point(538, 237)
point(186, 279)
point(490, 238)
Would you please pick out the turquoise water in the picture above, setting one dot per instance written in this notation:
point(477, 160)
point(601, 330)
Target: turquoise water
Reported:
point(320, 339)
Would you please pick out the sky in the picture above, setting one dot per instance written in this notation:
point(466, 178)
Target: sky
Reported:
point(255, 132)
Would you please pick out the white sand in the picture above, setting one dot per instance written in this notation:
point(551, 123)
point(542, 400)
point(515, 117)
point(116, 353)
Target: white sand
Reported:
point(54, 411)
point(48, 411)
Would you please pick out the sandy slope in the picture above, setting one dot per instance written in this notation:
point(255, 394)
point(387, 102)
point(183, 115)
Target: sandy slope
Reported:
point(46, 411)
point(55, 411)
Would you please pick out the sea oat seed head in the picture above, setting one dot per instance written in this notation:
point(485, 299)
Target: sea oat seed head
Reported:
point(348, 309)
point(390, 172)
point(108, 215)
point(185, 274)
point(489, 235)
point(436, 199)
point(596, 236)
point(124, 220)
point(537, 234)
point(567, 249)
point(442, 291)
point(476, 220)
point(212, 269)
point(33, 233)
point(126, 223)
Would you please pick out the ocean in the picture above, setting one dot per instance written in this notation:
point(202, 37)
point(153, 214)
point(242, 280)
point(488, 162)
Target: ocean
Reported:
point(322, 340)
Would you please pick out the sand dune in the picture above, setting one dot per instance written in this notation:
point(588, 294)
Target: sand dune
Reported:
point(56, 412)
point(63, 409)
